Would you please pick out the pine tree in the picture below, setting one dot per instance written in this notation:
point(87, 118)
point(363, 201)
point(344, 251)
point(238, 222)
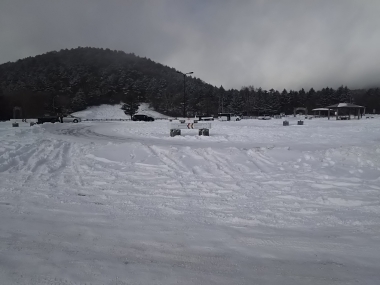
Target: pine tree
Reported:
point(222, 98)
point(302, 98)
point(78, 103)
point(324, 98)
point(275, 103)
point(208, 101)
point(295, 99)
point(237, 103)
point(247, 101)
point(259, 101)
point(285, 101)
point(131, 104)
point(346, 95)
point(266, 101)
point(310, 99)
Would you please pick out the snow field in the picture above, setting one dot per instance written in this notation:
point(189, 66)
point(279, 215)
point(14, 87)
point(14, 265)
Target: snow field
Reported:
point(254, 203)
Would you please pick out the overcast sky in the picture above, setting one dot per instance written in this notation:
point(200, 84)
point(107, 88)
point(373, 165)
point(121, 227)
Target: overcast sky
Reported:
point(265, 43)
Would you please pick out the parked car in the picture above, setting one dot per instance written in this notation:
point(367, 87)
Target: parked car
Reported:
point(47, 119)
point(204, 118)
point(71, 119)
point(265, 117)
point(344, 117)
point(228, 117)
point(145, 118)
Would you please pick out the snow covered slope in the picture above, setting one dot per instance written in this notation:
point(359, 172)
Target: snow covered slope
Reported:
point(115, 112)
point(102, 112)
point(144, 109)
point(254, 203)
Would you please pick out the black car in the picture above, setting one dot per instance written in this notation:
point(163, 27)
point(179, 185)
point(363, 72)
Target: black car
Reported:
point(142, 118)
point(48, 119)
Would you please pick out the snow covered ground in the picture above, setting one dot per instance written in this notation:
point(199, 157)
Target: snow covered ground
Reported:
point(254, 203)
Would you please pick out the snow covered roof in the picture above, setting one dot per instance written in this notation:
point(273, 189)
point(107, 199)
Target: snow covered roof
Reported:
point(345, 105)
point(320, 109)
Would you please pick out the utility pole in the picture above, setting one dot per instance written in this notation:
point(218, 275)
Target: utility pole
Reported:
point(184, 91)
point(55, 96)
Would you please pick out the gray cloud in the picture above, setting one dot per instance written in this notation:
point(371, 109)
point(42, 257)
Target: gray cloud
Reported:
point(271, 44)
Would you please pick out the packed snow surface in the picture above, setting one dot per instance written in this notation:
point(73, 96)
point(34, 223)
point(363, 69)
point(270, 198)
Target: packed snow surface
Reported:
point(253, 203)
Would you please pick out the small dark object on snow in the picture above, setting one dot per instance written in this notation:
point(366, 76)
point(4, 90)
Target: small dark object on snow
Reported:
point(175, 132)
point(204, 132)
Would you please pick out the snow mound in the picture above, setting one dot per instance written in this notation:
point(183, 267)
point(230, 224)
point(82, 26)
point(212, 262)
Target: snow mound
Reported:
point(114, 112)
point(144, 109)
point(102, 112)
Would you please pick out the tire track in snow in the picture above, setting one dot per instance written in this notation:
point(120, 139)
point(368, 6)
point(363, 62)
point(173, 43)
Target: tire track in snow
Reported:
point(168, 159)
point(16, 157)
point(260, 161)
point(211, 170)
point(217, 164)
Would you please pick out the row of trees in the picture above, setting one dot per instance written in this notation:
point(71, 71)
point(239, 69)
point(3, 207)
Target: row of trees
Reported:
point(75, 79)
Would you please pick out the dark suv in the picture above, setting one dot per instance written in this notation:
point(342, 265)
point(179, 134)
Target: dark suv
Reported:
point(142, 118)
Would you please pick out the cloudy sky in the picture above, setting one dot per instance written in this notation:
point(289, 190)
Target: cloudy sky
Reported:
point(277, 44)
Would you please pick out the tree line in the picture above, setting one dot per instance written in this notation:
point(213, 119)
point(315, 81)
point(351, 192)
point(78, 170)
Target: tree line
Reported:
point(72, 79)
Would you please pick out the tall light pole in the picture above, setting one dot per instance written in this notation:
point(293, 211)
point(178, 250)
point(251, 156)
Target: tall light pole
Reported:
point(55, 111)
point(55, 96)
point(184, 91)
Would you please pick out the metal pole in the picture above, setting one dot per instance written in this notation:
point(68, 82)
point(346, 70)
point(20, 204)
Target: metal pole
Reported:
point(55, 96)
point(54, 109)
point(184, 95)
point(184, 91)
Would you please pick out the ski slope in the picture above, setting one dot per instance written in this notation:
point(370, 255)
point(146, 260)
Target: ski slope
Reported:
point(254, 203)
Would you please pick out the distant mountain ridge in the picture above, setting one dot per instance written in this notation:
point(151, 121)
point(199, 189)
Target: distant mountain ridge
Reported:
point(71, 80)
point(84, 77)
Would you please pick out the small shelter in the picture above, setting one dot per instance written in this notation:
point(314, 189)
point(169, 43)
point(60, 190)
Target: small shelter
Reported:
point(321, 111)
point(343, 110)
point(17, 113)
point(303, 109)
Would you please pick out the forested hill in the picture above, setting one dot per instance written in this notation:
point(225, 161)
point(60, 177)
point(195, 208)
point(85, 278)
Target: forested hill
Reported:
point(83, 77)
point(71, 80)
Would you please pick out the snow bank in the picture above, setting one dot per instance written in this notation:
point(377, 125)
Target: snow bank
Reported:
point(102, 112)
point(144, 109)
point(115, 112)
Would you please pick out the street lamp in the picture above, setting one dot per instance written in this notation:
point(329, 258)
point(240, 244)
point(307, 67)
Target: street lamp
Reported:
point(55, 110)
point(184, 91)
point(54, 101)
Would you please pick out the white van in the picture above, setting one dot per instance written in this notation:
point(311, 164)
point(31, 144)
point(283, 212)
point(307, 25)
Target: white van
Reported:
point(204, 118)
point(228, 117)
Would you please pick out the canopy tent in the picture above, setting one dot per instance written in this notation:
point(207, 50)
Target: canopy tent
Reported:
point(345, 108)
